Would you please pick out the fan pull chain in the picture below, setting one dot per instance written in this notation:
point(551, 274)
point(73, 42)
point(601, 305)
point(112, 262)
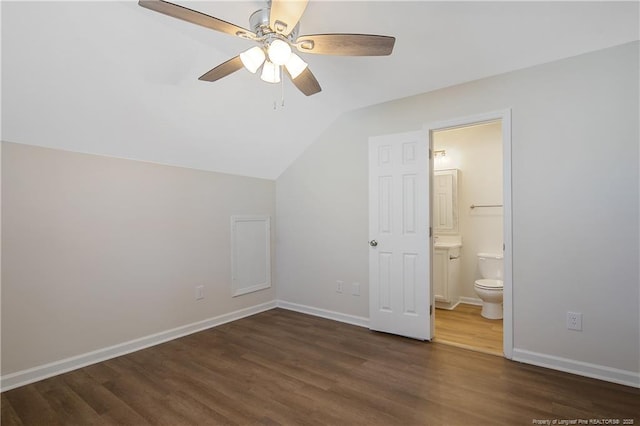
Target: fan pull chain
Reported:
point(282, 81)
point(275, 102)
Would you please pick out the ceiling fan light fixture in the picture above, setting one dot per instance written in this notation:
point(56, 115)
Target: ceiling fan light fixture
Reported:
point(295, 65)
point(279, 52)
point(252, 59)
point(275, 28)
point(270, 72)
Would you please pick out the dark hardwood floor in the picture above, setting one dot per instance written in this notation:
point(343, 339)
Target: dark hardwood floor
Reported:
point(282, 367)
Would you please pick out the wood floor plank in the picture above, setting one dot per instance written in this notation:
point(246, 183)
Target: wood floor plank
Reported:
point(286, 368)
point(68, 406)
point(8, 416)
point(101, 372)
point(466, 328)
point(214, 396)
point(31, 407)
point(110, 408)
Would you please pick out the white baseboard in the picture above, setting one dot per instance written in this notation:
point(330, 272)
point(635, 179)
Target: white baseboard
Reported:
point(600, 372)
point(24, 377)
point(332, 315)
point(446, 306)
point(623, 377)
point(470, 301)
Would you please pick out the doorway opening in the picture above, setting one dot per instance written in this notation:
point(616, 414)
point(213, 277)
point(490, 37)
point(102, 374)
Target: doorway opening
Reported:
point(470, 216)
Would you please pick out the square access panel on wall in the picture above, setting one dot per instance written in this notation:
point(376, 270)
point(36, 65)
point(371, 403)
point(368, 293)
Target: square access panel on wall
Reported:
point(250, 254)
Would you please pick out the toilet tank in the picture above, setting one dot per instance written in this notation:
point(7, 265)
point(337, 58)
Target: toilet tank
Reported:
point(491, 265)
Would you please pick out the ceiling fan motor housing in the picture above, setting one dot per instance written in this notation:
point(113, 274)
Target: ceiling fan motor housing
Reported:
point(259, 24)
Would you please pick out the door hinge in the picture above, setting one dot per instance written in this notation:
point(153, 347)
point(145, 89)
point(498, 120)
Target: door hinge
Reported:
point(430, 310)
point(429, 153)
point(430, 232)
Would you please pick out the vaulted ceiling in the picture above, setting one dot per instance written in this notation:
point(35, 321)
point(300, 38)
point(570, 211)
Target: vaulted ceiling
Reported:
point(116, 79)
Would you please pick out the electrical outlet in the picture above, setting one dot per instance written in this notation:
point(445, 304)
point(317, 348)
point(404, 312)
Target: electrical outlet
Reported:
point(355, 289)
point(339, 286)
point(574, 321)
point(199, 292)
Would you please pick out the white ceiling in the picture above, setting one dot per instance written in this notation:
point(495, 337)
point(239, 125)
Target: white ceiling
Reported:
point(116, 79)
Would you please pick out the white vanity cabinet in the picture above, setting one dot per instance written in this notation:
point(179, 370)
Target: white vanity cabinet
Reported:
point(447, 242)
point(446, 275)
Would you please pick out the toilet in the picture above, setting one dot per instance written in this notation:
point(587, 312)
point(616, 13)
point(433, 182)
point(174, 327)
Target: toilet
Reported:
point(489, 288)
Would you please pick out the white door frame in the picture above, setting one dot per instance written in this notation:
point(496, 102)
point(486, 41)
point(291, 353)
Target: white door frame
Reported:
point(505, 117)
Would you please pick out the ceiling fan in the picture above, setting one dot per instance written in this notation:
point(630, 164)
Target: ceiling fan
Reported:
point(275, 29)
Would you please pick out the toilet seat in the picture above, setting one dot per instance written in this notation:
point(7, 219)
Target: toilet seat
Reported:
point(489, 284)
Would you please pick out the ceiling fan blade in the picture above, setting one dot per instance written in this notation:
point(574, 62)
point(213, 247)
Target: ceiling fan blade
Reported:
point(285, 14)
point(195, 17)
point(222, 70)
point(346, 44)
point(306, 82)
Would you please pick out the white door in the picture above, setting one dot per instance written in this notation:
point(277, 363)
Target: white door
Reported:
point(399, 252)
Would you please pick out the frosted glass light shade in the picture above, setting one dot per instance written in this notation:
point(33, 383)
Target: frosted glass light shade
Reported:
point(270, 72)
point(279, 52)
point(252, 59)
point(295, 65)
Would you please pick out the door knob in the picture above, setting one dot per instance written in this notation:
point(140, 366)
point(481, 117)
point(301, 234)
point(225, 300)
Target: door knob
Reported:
point(373, 243)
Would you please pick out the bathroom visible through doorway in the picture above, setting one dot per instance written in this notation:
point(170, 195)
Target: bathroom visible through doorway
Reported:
point(468, 248)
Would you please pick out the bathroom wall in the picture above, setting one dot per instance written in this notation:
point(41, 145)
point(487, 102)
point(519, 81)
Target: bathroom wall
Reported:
point(476, 152)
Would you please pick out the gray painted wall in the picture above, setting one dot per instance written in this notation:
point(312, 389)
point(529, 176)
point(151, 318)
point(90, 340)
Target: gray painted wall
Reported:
point(575, 183)
point(98, 251)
